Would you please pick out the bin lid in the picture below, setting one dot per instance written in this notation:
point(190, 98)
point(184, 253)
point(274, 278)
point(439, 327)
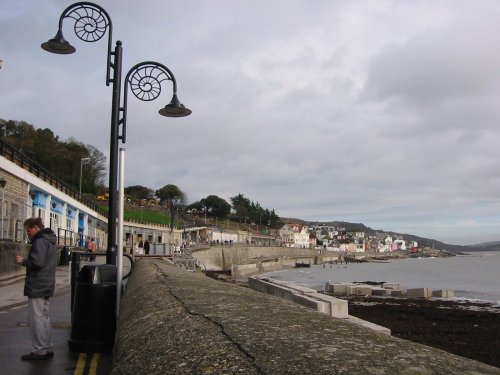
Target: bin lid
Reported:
point(98, 274)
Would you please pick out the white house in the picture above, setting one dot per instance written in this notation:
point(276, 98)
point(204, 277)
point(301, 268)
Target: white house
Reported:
point(295, 235)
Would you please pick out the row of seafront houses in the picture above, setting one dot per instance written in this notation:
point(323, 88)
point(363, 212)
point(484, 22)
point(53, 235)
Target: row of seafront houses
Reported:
point(339, 240)
point(28, 190)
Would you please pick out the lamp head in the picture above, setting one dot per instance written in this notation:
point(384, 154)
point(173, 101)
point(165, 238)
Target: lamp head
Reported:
point(175, 109)
point(58, 45)
point(3, 182)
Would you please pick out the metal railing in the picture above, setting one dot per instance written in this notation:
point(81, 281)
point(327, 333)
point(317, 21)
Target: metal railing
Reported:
point(25, 162)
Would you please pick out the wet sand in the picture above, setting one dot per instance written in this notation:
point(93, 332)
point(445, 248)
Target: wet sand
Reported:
point(468, 329)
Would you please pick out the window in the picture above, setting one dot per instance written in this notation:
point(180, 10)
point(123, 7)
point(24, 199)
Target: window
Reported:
point(55, 220)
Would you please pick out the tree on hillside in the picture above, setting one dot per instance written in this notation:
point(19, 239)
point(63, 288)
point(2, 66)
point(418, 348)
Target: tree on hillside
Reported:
point(66, 162)
point(139, 192)
point(60, 158)
point(253, 212)
point(96, 170)
point(215, 206)
point(172, 197)
point(274, 220)
point(19, 134)
point(46, 150)
point(195, 205)
point(241, 206)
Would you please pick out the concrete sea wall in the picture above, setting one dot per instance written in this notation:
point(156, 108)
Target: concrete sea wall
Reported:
point(310, 298)
point(222, 258)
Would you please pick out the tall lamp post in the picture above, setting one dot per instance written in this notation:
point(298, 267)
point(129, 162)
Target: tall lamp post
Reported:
point(81, 170)
point(91, 23)
point(3, 183)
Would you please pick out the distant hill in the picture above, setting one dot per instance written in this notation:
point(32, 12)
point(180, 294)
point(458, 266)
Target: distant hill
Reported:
point(350, 227)
point(487, 246)
point(427, 242)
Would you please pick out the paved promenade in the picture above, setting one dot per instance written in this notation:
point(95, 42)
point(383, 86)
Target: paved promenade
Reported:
point(179, 322)
point(15, 341)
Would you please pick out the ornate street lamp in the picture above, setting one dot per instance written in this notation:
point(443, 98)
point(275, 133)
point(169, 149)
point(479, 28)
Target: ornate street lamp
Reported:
point(3, 183)
point(145, 81)
point(91, 23)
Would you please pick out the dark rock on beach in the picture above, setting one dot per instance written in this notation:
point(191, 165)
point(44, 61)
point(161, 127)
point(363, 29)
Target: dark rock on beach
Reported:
point(468, 329)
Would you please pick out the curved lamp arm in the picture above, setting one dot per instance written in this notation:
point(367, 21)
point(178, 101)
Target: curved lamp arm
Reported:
point(145, 81)
point(91, 23)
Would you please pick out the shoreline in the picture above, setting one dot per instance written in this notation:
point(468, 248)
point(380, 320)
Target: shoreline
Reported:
point(465, 328)
point(468, 276)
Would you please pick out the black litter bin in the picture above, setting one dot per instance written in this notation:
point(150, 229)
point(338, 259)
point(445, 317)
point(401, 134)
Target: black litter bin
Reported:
point(65, 256)
point(93, 321)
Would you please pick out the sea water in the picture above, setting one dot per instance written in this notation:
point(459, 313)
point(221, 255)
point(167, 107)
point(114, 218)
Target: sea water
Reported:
point(472, 277)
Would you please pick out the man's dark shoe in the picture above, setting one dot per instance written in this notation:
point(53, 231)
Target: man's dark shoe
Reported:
point(50, 354)
point(35, 356)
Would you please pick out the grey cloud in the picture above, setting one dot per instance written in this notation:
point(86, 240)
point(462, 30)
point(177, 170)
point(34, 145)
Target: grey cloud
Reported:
point(382, 113)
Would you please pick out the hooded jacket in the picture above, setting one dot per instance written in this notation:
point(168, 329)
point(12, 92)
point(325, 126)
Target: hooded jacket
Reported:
point(41, 265)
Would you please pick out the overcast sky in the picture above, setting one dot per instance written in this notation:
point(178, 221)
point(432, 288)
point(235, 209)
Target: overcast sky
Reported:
point(380, 112)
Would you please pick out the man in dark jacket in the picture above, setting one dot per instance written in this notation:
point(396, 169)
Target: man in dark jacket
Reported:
point(39, 286)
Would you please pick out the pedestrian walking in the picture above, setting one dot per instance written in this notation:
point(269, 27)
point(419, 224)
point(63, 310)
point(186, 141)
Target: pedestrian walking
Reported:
point(39, 286)
point(91, 247)
point(146, 247)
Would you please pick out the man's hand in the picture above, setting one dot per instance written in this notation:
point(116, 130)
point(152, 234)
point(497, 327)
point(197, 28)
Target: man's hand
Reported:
point(19, 260)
